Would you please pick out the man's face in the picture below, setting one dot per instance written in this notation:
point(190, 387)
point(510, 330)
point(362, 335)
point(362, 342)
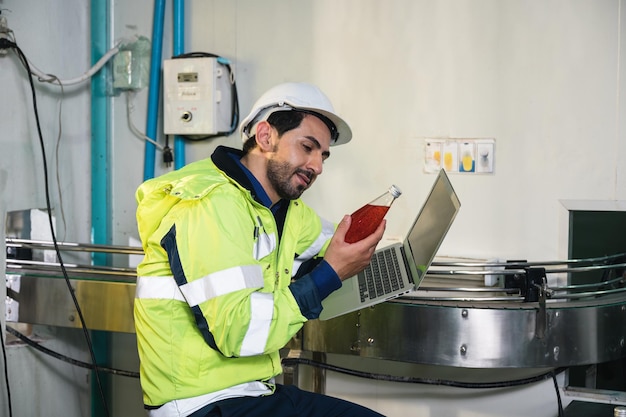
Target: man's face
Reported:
point(297, 157)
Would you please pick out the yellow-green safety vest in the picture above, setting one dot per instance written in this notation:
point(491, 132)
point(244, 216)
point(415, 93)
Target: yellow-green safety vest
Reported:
point(214, 310)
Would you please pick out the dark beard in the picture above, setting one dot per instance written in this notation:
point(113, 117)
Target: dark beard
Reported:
point(279, 175)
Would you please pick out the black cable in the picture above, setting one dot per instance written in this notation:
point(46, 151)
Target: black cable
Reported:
point(6, 44)
point(168, 157)
point(67, 359)
point(558, 394)
point(416, 380)
point(6, 374)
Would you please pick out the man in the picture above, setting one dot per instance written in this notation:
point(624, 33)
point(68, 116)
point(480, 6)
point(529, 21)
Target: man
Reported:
point(235, 263)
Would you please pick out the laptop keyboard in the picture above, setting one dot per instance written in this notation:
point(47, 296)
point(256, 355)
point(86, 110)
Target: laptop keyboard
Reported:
point(381, 277)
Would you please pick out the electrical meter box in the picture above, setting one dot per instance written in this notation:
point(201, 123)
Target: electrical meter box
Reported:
point(197, 95)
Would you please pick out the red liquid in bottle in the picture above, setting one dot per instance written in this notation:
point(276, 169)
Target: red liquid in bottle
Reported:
point(365, 221)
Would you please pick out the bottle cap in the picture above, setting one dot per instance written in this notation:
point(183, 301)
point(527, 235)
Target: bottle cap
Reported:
point(395, 191)
point(619, 411)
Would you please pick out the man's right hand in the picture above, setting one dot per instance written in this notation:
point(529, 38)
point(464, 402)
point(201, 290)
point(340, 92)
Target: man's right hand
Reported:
point(348, 259)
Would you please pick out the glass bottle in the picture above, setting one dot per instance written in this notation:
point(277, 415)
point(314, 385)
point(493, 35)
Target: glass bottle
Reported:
point(366, 219)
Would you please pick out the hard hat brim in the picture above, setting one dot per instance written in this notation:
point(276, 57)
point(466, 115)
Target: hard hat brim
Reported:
point(344, 133)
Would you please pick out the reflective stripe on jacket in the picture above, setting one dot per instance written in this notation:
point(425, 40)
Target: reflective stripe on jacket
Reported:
point(213, 304)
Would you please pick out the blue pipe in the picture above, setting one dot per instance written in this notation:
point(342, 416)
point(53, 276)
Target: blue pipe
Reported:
point(100, 190)
point(154, 88)
point(179, 48)
point(100, 206)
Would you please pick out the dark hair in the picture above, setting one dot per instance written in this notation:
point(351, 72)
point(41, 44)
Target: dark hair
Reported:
point(282, 121)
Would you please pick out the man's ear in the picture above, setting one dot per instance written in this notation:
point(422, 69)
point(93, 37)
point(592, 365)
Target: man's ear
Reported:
point(264, 135)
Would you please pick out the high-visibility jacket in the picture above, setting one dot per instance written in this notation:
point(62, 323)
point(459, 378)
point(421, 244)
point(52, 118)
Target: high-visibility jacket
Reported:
point(213, 304)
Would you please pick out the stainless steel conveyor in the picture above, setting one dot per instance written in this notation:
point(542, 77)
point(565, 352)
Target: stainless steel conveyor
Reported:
point(524, 320)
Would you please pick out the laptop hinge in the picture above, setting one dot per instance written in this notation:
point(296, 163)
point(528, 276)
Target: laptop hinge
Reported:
point(406, 265)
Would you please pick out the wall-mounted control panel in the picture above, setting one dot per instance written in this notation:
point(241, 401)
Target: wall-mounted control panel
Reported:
point(197, 96)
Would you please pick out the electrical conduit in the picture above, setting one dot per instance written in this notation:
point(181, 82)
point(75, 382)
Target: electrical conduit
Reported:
point(154, 88)
point(179, 48)
point(100, 201)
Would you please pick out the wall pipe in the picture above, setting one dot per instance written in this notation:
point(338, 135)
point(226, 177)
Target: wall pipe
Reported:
point(154, 88)
point(179, 48)
point(100, 189)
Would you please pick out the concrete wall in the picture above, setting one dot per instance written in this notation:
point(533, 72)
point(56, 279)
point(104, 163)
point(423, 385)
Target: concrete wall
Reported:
point(54, 36)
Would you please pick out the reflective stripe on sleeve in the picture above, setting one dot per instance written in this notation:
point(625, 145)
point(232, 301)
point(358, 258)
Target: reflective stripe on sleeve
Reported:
point(158, 287)
point(328, 229)
point(262, 311)
point(222, 282)
point(203, 289)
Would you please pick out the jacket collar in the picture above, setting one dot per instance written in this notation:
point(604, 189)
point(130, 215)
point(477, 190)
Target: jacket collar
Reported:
point(229, 160)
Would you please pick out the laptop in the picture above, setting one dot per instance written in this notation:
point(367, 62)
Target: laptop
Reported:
point(398, 269)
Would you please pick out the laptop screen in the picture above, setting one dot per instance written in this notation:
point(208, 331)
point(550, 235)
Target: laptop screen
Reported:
point(433, 223)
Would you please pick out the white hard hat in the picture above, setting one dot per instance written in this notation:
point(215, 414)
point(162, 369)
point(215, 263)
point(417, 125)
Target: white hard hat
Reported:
point(295, 96)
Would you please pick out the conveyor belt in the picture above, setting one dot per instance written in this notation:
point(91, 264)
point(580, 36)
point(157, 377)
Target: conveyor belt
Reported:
point(527, 323)
point(531, 317)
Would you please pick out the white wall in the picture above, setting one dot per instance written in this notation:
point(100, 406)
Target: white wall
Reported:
point(541, 77)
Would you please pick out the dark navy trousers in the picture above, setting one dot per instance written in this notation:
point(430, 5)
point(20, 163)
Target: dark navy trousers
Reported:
point(287, 401)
